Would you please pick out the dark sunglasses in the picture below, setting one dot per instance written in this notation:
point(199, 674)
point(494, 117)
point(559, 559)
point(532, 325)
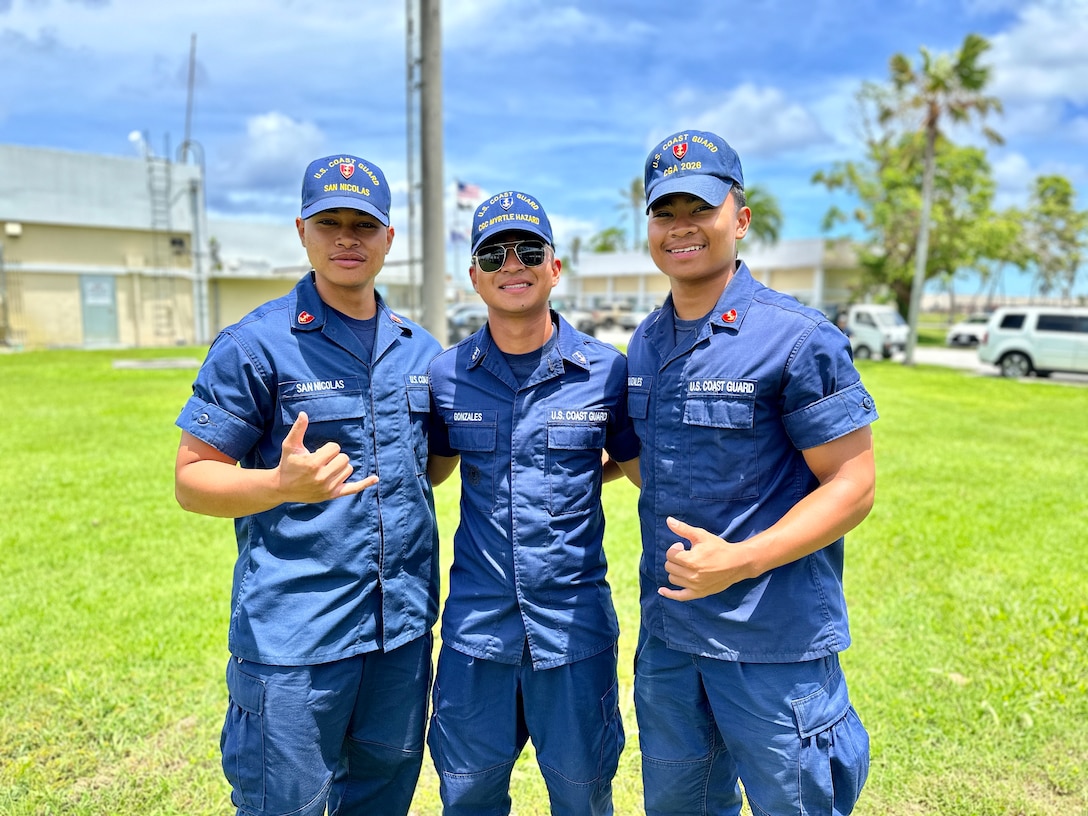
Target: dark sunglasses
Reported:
point(491, 259)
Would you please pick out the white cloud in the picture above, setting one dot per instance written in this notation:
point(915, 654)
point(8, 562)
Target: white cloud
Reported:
point(565, 228)
point(992, 6)
point(272, 141)
point(525, 27)
point(1043, 56)
point(257, 168)
point(757, 121)
point(1013, 173)
point(1030, 118)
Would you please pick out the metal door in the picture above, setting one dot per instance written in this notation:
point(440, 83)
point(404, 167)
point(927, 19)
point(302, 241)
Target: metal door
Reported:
point(99, 309)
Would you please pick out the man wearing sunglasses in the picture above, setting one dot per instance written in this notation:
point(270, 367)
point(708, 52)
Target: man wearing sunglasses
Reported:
point(528, 630)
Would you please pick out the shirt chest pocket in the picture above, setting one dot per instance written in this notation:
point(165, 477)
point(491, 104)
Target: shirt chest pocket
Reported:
point(419, 408)
point(476, 442)
point(334, 416)
point(334, 406)
point(720, 440)
point(638, 401)
point(573, 465)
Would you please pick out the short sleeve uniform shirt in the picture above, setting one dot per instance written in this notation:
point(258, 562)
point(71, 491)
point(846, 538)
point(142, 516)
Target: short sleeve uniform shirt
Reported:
point(320, 582)
point(723, 420)
point(528, 566)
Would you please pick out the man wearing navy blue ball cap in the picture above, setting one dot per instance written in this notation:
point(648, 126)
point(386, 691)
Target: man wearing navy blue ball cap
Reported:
point(756, 460)
point(528, 630)
point(336, 583)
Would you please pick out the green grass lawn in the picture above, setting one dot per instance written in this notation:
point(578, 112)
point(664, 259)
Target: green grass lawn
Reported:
point(967, 590)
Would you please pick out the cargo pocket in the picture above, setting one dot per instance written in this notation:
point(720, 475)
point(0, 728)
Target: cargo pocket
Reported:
point(614, 740)
point(242, 741)
point(573, 464)
point(834, 754)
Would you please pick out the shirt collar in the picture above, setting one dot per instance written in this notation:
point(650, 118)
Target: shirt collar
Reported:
point(311, 312)
point(728, 313)
point(568, 346)
point(735, 299)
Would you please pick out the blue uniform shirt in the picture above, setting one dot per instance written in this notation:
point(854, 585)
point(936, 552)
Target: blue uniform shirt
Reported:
point(723, 420)
point(528, 562)
point(320, 582)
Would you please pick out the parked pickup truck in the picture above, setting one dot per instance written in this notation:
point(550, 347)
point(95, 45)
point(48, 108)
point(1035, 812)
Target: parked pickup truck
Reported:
point(876, 330)
point(619, 316)
point(579, 318)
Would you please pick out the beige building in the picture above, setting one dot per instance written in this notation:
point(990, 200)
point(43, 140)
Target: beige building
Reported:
point(97, 250)
point(108, 251)
point(820, 273)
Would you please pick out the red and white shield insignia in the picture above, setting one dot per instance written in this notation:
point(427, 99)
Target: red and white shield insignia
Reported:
point(304, 318)
point(347, 170)
point(680, 150)
point(730, 316)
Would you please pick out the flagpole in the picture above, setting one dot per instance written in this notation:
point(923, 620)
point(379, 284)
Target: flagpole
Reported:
point(467, 197)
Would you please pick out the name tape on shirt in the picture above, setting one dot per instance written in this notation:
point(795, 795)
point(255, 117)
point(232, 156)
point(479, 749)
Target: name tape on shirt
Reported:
point(579, 415)
point(721, 386)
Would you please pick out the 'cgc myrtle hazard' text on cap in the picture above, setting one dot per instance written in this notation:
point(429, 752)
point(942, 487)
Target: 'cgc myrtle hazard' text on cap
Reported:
point(508, 212)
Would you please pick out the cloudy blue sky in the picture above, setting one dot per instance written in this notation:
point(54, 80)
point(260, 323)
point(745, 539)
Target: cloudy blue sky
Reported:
point(559, 98)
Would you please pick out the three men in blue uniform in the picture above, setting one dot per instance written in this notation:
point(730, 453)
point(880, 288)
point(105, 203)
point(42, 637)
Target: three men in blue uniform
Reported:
point(756, 459)
point(528, 629)
point(321, 396)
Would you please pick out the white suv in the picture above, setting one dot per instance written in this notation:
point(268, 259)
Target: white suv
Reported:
point(1041, 339)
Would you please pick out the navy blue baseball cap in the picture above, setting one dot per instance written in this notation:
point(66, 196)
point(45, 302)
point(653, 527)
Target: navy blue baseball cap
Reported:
point(694, 162)
point(507, 212)
point(345, 181)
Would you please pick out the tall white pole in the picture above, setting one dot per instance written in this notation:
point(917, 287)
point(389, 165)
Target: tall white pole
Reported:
point(431, 170)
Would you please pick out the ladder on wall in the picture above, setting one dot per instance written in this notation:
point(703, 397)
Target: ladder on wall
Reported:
point(163, 290)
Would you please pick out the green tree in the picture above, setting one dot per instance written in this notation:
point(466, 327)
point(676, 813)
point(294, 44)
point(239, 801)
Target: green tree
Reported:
point(1055, 235)
point(1000, 241)
point(766, 226)
point(633, 203)
point(887, 187)
point(942, 87)
point(607, 240)
point(575, 249)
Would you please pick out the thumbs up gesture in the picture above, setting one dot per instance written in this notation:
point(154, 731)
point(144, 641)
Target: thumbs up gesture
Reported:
point(708, 566)
point(315, 476)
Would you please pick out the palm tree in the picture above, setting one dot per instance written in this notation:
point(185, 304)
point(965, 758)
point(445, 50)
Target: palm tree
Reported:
point(609, 239)
point(766, 214)
point(766, 225)
point(946, 86)
point(633, 201)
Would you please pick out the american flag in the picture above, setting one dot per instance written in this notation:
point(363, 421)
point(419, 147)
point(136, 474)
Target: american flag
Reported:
point(467, 195)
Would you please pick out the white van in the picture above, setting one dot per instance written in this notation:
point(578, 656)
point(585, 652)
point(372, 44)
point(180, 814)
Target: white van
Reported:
point(876, 329)
point(1041, 339)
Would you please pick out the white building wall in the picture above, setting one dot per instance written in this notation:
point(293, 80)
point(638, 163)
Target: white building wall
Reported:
point(61, 187)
